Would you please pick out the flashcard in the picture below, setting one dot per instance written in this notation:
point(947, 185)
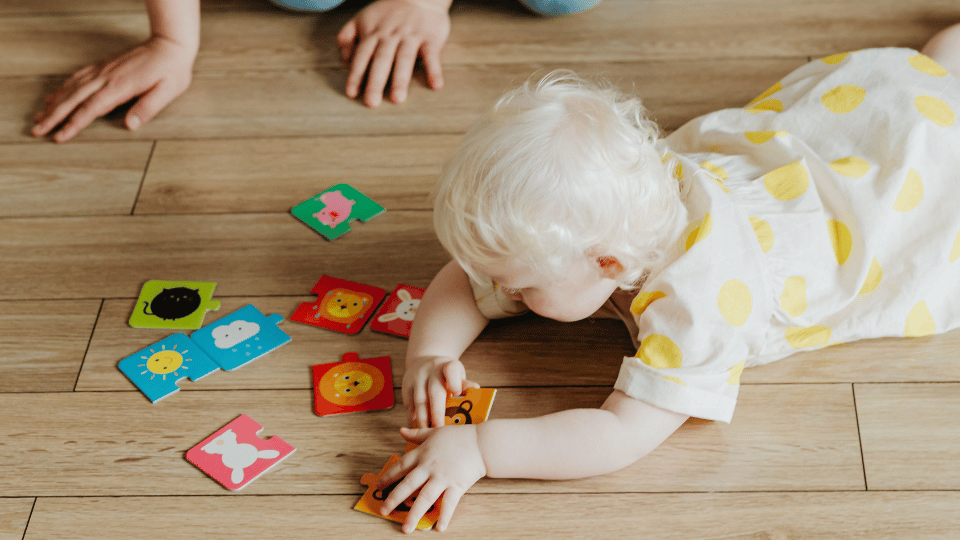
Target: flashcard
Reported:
point(330, 213)
point(372, 501)
point(175, 305)
point(472, 407)
point(352, 385)
point(241, 337)
point(397, 313)
point(236, 456)
point(156, 369)
point(341, 306)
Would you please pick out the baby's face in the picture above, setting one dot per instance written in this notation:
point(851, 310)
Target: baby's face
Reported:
point(576, 295)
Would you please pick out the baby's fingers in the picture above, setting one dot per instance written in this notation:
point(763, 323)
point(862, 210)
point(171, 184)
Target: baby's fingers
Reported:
point(426, 499)
point(451, 497)
point(437, 392)
point(403, 490)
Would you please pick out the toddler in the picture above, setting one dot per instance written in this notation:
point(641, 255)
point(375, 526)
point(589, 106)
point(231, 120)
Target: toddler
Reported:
point(825, 211)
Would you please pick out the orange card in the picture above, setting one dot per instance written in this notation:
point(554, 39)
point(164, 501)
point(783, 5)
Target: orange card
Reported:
point(472, 407)
point(372, 500)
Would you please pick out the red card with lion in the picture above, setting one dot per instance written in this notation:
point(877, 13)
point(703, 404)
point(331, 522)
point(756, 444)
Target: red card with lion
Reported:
point(352, 385)
point(341, 306)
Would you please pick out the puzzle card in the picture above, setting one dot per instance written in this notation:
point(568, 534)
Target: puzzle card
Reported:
point(156, 369)
point(241, 337)
point(372, 501)
point(330, 212)
point(398, 311)
point(341, 305)
point(175, 305)
point(236, 456)
point(353, 385)
point(473, 407)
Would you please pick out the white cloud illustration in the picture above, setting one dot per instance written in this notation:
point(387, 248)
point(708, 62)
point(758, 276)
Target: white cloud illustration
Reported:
point(228, 335)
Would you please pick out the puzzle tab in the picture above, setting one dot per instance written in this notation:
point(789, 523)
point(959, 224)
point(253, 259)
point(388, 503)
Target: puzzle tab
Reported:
point(234, 456)
point(156, 369)
point(353, 385)
point(342, 306)
point(174, 305)
point(398, 311)
point(330, 212)
point(372, 501)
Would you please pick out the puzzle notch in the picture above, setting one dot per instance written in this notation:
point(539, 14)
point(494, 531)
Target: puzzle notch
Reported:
point(241, 337)
point(173, 305)
point(331, 211)
point(156, 369)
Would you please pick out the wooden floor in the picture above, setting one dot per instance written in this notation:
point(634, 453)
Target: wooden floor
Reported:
point(855, 441)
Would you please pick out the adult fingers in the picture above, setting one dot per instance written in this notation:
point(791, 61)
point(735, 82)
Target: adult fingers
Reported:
point(346, 39)
point(379, 71)
point(451, 498)
point(151, 103)
point(358, 66)
point(403, 70)
point(96, 106)
point(431, 63)
point(62, 109)
point(438, 403)
point(428, 496)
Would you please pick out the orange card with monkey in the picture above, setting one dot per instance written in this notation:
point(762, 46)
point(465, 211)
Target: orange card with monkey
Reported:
point(472, 407)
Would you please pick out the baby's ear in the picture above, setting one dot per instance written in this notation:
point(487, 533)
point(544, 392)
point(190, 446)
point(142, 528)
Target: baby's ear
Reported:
point(610, 267)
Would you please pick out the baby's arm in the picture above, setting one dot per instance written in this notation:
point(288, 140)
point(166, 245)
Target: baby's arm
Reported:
point(155, 72)
point(447, 322)
point(575, 443)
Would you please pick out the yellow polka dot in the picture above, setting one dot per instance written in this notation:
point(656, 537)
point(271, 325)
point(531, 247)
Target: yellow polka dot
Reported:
point(715, 148)
point(874, 275)
point(735, 302)
point(697, 231)
point(852, 166)
point(678, 172)
point(844, 98)
point(955, 252)
point(767, 105)
point(834, 59)
point(767, 93)
point(910, 193)
point(787, 182)
point(841, 239)
point(735, 372)
point(659, 352)
point(935, 110)
point(717, 173)
point(925, 64)
point(674, 379)
point(760, 137)
point(801, 337)
point(764, 233)
point(643, 300)
point(919, 321)
point(666, 157)
point(793, 299)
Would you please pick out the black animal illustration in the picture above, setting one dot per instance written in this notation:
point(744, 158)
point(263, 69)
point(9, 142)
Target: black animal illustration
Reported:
point(172, 304)
point(382, 494)
point(460, 414)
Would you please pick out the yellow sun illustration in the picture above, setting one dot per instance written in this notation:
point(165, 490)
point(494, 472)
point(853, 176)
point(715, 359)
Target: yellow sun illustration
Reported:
point(164, 362)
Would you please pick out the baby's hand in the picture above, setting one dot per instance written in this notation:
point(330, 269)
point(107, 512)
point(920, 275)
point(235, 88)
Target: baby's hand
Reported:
point(427, 383)
point(157, 71)
point(390, 34)
point(447, 463)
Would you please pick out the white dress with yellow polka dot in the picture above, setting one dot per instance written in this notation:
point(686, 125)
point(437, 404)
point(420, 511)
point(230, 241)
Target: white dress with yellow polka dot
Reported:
point(826, 211)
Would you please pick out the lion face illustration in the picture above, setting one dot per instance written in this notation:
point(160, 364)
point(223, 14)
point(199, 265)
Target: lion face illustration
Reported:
point(351, 384)
point(343, 305)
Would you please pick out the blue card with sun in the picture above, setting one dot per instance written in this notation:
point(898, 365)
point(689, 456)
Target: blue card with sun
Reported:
point(241, 337)
point(156, 369)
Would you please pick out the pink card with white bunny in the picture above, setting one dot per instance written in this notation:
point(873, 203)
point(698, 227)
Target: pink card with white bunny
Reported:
point(397, 313)
point(236, 456)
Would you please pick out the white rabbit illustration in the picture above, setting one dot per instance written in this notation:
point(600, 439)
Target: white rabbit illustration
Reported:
point(237, 456)
point(405, 311)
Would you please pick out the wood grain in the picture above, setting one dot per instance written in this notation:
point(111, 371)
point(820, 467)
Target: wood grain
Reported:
point(42, 343)
point(119, 444)
point(681, 516)
point(911, 435)
point(14, 514)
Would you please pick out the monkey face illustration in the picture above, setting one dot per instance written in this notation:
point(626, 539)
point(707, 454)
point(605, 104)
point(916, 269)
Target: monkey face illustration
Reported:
point(459, 414)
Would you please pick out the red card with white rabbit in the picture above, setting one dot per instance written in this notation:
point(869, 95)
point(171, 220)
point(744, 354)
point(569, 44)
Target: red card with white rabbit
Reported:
point(397, 313)
point(236, 456)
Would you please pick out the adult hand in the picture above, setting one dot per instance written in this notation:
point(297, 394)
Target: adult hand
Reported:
point(155, 72)
point(383, 42)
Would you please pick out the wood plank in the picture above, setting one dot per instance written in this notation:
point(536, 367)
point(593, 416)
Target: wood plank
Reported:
point(682, 516)
point(80, 179)
point(247, 254)
point(910, 435)
point(271, 175)
point(14, 514)
point(494, 33)
point(119, 444)
point(505, 355)
point(311, 102)
point(42, 343)
point(926, 359)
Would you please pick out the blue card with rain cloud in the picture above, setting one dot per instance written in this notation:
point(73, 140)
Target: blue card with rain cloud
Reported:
point(240, 337)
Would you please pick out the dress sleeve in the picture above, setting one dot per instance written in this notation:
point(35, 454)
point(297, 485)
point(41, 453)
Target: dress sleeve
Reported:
point(491, 301)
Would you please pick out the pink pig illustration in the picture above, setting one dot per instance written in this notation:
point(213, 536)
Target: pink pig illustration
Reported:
point(337, 210)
